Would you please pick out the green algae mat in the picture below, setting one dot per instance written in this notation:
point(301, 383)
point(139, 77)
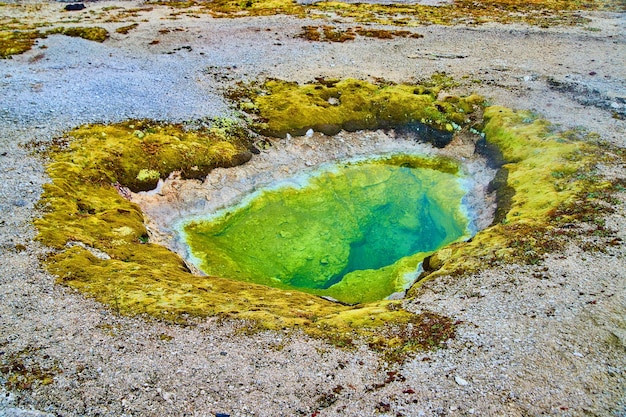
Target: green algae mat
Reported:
point(550, 192)
point(356, 232)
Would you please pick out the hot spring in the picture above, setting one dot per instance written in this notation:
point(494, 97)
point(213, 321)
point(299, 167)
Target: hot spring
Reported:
point(355, 231)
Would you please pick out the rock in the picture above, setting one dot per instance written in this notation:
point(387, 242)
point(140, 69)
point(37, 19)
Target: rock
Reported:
point(95, 252)
point(169, 397)
point(74, 7)
point(397, 295)
point(461, 381)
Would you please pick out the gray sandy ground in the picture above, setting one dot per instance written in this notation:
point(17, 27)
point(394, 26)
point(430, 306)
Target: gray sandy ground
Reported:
point(544, 340)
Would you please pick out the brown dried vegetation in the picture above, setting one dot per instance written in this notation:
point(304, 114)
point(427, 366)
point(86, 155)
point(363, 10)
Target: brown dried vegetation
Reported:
point(328, 33)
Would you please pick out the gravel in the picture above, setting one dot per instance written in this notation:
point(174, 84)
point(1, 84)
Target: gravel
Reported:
point(540, 340)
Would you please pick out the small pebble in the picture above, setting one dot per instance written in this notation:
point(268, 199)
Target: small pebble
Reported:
point(461, 381)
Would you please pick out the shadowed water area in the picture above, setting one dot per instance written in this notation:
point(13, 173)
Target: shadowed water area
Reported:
point(356, 232)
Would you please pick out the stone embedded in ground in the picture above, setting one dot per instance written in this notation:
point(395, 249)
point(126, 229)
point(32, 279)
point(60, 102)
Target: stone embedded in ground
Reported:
point(74, 7)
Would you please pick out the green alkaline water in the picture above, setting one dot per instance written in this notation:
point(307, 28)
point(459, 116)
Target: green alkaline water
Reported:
point(356, 232)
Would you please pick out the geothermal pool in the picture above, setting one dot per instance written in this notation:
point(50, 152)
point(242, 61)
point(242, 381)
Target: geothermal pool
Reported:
point(355, 231)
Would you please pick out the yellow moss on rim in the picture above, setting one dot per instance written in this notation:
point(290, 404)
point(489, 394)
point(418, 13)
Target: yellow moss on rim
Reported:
point(329, 106)
point(549, 181)
point(101, 242)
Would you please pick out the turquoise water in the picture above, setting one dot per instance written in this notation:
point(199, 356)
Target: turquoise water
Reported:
point(356, 232)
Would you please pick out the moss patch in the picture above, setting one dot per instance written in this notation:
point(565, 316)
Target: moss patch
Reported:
point(243, 8)
point(328, 33)
point(386, 34)
point(125, 29)
point(26, 369)
point(329, 106)
point(15, 42)
point(96, 34)
point(424, 331)
point(82, 201)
